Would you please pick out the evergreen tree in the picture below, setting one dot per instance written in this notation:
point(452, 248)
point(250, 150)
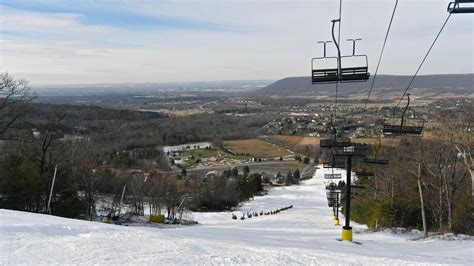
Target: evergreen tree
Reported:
point(235, 172)
point(306, 160)
point(296, 176)
point(21, 185)
point(289, 178)
point(246, 170)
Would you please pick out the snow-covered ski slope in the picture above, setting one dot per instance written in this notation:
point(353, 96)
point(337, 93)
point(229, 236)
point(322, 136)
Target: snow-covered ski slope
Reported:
point(304, 234)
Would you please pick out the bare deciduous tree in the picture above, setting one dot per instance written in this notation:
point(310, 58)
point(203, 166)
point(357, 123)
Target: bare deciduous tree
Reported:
point(13, 95)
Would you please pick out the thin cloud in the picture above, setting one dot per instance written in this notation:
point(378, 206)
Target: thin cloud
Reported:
point(165, 41)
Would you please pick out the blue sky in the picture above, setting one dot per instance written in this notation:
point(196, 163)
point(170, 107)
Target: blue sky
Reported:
point(87, 41)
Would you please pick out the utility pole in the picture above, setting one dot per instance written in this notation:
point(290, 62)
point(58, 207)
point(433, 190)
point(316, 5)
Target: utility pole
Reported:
point(347, 229)
point(348, 152)
point(337, 208)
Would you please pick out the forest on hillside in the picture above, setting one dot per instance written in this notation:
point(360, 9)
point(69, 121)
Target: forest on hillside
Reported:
point(98, 151)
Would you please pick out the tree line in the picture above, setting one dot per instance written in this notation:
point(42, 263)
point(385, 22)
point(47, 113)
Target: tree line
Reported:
point(95, 151)
point(428, 183)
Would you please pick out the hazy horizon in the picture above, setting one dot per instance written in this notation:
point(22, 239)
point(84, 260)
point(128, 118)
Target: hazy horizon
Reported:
point(46, 85)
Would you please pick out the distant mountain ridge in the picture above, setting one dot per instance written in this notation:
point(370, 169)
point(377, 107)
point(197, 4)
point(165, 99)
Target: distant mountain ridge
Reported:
point(302, 85)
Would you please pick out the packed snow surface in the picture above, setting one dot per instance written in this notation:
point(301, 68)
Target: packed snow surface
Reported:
point(305, 234)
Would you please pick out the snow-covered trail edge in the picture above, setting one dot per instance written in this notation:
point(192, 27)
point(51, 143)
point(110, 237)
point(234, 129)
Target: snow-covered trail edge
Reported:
point(304, 234)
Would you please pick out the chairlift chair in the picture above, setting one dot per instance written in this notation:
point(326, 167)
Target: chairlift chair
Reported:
point(335, 143)
point(459, 7)
point(355, 74)
point(357, 187)
point(348, 151)
point(327, 165)
point(331, 195)
point(339, 72)
point(375, 161)
point(322, 75)
point(333, 176)
point(331, 186)
point(364, 174)
point(320, 71)
point(336, 162)
point(402, 129)
point(332, 198)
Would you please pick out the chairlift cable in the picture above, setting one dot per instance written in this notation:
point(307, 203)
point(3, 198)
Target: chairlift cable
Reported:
point(423, 61)
point(338, 41)
point(381, 53)
point(339, 33)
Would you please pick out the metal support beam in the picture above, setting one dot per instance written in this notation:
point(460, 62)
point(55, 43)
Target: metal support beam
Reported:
point(347, 225)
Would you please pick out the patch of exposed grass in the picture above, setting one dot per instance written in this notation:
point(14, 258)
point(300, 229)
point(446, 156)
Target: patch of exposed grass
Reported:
point(201, 153)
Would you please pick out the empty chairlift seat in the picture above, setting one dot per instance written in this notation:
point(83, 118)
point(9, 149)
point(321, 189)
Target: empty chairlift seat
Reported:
point(349, 68)
point(333, 143)
point(324, 70)
point(461, 6)
point(402, 130)
point(375, 161)
point(335, 162)
point(354, 68)
point(333, 176)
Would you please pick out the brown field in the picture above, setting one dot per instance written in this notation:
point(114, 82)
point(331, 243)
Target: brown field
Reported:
point(256, 148)
point(299, 144)
point(302, 144)
point(429, 135)
point(387, 142)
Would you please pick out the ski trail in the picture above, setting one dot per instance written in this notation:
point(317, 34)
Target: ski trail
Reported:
point(304, 234)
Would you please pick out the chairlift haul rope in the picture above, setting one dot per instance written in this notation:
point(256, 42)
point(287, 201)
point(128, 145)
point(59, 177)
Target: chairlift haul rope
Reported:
point(381, 53)
point(423, 61)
